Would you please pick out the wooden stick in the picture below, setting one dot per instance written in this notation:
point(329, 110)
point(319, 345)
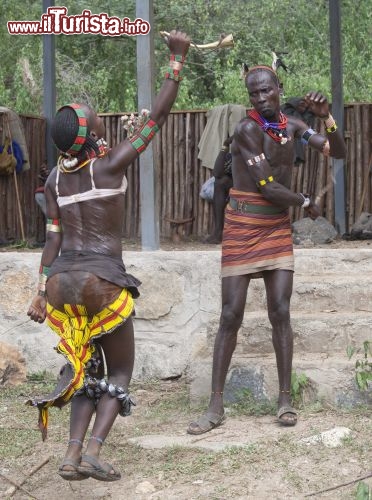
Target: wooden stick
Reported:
point(19, 206)
point(33, 471)
point(365, 186)
point(17, 486)
point(340, 485)
point(16, 187)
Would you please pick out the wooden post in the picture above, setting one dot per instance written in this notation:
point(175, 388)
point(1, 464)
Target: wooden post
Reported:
point(338, 166)
point(145, 86)
point(49, 89)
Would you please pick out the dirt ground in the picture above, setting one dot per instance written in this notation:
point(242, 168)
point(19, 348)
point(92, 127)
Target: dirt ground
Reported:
point(263, 461)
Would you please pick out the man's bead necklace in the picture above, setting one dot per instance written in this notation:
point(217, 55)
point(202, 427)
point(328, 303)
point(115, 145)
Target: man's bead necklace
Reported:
point(277, 131)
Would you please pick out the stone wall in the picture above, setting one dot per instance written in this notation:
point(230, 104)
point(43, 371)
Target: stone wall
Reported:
point(177, 317)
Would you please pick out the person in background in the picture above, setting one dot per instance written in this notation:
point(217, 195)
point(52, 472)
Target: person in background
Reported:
point(222, 184)
point(39, 191)
point(299, 108)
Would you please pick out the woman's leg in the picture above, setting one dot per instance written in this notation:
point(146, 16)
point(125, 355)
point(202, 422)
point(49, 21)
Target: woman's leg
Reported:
point(118, 348)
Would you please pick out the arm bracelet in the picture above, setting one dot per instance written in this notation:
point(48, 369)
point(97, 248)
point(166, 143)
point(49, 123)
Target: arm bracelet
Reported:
point(305, 138)
point(53, 225)
point(263, 182)
point(142, 138)
point(330, 124)
point(43, 276)
point(306, 200)
point(256, 159)
point(175, 67)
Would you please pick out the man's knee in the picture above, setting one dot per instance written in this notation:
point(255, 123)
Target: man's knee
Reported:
point(279, 313)
point(231, 320)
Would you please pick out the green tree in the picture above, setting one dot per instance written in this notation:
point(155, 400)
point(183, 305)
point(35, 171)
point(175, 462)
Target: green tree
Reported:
point(102, 70)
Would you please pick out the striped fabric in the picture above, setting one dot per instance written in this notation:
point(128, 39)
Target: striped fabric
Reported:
point(77, 335)
point(255, 242)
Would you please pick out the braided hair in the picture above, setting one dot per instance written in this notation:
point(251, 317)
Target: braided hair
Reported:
point(64, 130)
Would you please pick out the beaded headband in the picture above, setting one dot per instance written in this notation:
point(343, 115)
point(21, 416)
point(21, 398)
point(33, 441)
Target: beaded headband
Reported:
point(82, 130)
point(265, 68)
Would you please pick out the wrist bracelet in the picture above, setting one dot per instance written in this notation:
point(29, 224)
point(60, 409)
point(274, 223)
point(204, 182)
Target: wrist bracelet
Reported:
point(43, 276)
point(307, 200)
point(332, 129)
point(175, 67)
point(330, 124)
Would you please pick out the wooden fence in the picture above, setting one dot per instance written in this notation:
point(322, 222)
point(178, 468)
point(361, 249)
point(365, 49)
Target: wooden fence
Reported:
point(180, 176)
point(13, 215)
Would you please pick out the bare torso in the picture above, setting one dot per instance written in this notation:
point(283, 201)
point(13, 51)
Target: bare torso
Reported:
point(279, 156)
point(94, 225)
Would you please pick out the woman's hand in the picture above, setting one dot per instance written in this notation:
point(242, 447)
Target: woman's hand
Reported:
point(37, 309)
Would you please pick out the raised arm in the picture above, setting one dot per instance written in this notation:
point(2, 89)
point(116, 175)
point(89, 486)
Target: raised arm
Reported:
point(125, 153)
point(333, 143)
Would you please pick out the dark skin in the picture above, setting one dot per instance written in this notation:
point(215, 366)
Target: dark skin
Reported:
point(222, 185)
point(249, 141)
point(95, 226)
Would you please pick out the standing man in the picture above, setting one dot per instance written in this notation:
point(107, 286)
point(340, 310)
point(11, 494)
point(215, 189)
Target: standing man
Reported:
point(84, 290)
point(257, 240)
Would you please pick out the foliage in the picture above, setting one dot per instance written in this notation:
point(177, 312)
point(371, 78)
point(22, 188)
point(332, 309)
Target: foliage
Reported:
point(363, 491)
point(101, 71)
point(246, 404)
point(363, 367)
point(299, 382)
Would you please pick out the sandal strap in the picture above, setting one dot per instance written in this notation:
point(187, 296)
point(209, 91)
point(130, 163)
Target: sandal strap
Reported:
point(68, 461)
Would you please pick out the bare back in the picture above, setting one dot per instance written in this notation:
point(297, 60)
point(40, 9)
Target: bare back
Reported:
point(93, 225)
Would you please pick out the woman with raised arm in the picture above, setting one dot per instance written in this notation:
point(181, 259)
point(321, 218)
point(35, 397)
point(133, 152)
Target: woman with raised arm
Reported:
point(84, 291)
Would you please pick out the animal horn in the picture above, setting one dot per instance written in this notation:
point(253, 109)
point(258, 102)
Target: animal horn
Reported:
point(223, 43)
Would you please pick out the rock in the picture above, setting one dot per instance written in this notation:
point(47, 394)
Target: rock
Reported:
point(316, 232)
point(100, 493)
point(362, 228)
point(145, 487)
point(12, 366)
point(331, 438)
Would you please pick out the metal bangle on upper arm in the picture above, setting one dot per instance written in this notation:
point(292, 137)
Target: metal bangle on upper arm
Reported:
point(54, 225)
point(306, 135)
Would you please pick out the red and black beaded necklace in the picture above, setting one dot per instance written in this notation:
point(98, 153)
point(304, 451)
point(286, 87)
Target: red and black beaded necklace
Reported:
point(277, 131)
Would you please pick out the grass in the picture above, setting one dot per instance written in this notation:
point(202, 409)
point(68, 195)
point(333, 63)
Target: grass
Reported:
point(273, 460)
point(248, 406)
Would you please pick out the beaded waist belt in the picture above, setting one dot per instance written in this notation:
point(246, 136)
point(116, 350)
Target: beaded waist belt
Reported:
point(249, 208)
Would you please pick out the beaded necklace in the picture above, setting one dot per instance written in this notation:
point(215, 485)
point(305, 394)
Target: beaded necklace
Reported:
point(62, 167)
point(277, 131)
